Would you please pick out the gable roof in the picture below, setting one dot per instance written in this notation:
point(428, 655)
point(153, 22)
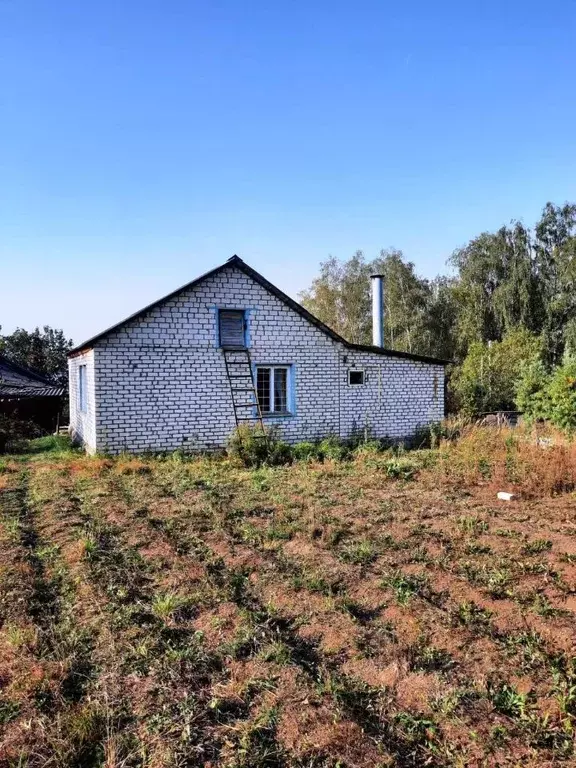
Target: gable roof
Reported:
point(16, 381)
point(237, 262)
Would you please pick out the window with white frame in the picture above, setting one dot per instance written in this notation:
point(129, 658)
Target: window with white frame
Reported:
point(274, 388)
point(356, 377)
point(82, 399)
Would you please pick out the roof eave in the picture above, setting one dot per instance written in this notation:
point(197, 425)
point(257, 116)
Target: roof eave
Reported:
point(399, 354)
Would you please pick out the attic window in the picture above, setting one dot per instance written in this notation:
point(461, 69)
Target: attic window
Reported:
point(232, 328)
point(355, 378)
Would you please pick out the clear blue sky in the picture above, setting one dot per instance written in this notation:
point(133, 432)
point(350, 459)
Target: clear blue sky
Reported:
point(142, 143)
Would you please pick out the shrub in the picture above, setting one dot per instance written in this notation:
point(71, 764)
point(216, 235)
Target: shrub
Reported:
point(449, 429)
point(401, 468)
point(548, 396)
point(368, 449)
point(561, 397)
point(255, 448)
point(532, 390)
point(486, 379)
point(431, 435)
point(333, 448)
point(15, 432)
point(306, 451)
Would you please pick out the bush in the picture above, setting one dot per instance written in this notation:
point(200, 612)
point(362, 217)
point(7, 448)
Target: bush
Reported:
point(401, 468)
point(531, 390)
point(14, 433)
point(486, 379)
point(368, 449)
point(306, 451)
point(333, 448)
point(548, 396)
point(560, 397)
point(255, 448)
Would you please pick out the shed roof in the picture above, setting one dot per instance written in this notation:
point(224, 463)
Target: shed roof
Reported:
point(16, 381)
point(8, 392)
point(238, 263)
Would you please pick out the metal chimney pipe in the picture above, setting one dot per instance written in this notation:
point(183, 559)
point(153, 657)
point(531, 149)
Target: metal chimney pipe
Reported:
point(377, 311)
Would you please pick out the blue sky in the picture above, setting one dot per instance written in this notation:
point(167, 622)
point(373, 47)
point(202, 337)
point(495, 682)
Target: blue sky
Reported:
point(142, 143)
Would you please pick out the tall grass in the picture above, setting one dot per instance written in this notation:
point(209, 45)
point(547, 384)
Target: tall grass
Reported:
point(534, 462)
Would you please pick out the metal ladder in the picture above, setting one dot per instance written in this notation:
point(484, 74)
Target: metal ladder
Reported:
point(243, 390)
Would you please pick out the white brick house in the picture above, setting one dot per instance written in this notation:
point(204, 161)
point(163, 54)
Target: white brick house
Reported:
point(158, 380)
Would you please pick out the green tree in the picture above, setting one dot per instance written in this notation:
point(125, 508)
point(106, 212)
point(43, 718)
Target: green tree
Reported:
point(548, 395)
point(532, 389)
point(340, 297)
point(561, 396)
point(497, 286)
point(555, 249)
point(406, 300)
point(439, 326)
point(43, 350)
point(486, 380)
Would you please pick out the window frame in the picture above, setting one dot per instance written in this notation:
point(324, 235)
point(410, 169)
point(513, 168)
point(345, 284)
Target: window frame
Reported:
point(245, 336)
point(359, 383)
point(82, 388)
point(290, 402)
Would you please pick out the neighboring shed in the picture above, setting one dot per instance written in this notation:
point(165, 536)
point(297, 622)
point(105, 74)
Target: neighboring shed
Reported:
point(28, 395)
point(231, 348)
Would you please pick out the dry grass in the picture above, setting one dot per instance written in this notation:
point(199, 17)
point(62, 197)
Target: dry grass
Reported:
point(195, 613)
point(535, 462)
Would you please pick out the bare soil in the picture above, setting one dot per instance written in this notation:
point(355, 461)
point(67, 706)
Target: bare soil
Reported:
point(162, 612)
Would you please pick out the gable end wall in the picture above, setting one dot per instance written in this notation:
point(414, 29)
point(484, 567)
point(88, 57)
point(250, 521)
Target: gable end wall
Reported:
point(161, 380)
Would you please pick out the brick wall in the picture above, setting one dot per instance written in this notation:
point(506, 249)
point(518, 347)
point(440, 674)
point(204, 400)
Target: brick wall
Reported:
point(160, 380)
point(398, 395)
point(83, 423)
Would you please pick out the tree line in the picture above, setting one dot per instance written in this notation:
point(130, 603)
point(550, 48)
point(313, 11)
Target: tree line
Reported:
point(43, 350)
point(508, 302)
point(505, 315)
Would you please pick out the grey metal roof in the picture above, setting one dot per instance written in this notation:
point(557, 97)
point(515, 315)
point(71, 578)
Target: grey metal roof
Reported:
point(11, 392)
point(16, 381)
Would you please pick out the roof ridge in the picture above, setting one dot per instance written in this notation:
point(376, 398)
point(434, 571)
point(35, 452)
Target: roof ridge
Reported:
point(235, 260)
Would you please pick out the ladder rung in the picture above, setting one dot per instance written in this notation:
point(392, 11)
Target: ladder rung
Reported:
point(241, 376)
point(238, 362)
point(244, 405)
point(248, 418)
point(243, 389)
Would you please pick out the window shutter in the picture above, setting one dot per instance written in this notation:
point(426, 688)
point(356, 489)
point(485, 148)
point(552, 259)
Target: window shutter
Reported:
point(231, 328)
